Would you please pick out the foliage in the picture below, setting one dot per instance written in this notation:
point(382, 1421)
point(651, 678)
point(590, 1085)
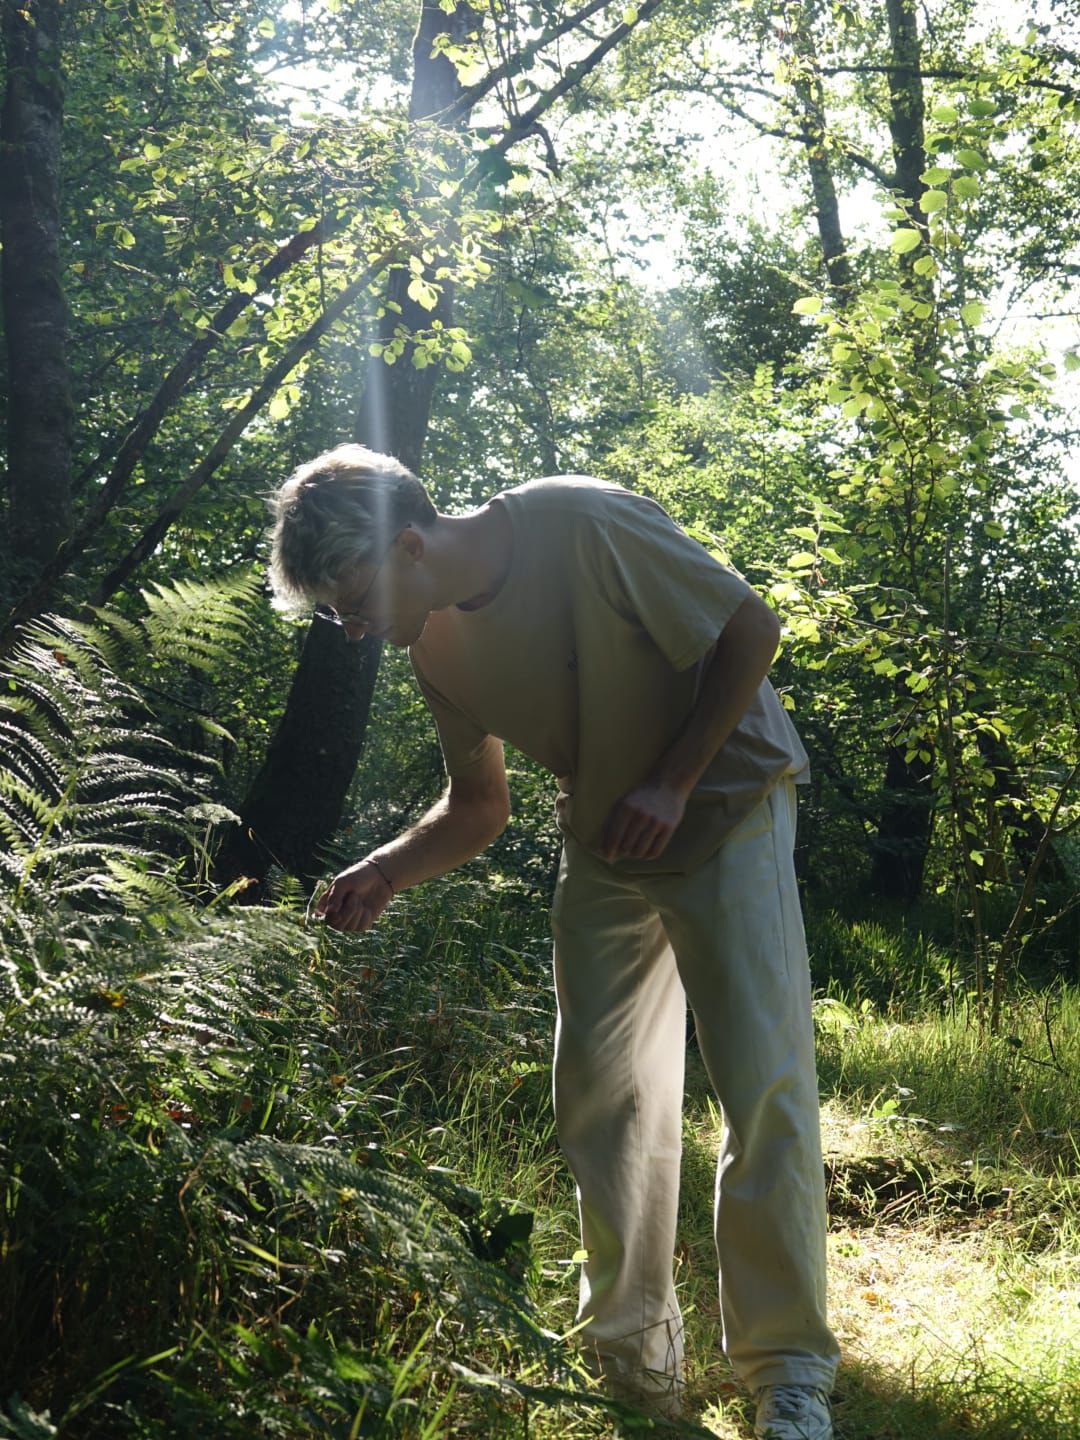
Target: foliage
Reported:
point(231, 1200)
point(197, 1126)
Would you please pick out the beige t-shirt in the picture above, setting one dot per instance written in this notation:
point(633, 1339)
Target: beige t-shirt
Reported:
point(588, 660)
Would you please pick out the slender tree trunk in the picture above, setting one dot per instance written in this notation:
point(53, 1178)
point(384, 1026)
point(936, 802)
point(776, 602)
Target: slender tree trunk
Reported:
point(35, 312)
point(903, 838)
point(813, 129)
point(321, 737)
point(907, 106)
point(1026, 832)
point(134, 443)
point(906, 825)
point(900, 846)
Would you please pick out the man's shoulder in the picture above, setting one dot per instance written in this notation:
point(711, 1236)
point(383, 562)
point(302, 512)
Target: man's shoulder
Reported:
point(573, 496)
point(554, 491)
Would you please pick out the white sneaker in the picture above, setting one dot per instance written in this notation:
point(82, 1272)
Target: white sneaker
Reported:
point(793, 1412)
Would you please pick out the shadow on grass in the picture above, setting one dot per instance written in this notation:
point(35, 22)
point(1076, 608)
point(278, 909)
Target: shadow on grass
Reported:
point(957, 1393)
point(874, 1403)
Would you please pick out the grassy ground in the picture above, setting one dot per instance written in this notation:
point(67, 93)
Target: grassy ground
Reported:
point(234, 1155)
point(954, 1224)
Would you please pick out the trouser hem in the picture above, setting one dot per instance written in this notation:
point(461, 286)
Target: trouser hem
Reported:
point(791, 1373)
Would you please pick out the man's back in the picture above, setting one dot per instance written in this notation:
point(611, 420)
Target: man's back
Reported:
point(588, 660)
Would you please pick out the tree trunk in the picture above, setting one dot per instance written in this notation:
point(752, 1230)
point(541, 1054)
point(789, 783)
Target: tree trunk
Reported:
point(35, 312)
point(903, 838)
point(907, 811)
point(813, 130)
point(296, 800)
point(907, 106)
point(298, 796)
point(1025, 829)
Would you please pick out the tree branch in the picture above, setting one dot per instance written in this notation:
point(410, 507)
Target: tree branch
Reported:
point(153, 534)
point(147, 425)
point(572, 77)
point(1008, 942)
point(516, 63)
point(917, 71)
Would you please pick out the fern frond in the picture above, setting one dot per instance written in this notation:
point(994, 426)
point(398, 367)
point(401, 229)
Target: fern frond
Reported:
point(201, 623)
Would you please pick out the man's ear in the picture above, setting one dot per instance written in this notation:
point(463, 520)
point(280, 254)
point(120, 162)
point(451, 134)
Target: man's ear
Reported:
point(413, 543)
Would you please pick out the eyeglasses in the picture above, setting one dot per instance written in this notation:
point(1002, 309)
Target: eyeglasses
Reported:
point(357, 616)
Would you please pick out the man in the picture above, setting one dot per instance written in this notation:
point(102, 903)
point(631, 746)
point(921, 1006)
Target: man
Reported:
point(578, 622)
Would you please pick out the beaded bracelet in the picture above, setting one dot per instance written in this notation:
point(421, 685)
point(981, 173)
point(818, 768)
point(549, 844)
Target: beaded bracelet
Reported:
point(369, 861)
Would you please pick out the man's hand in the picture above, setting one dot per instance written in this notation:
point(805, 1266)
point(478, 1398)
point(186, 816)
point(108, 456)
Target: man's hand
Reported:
point(643, 821)
point(356, 898)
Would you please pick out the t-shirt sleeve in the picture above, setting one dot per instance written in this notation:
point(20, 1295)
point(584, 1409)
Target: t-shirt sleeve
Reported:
point(463, 742)
point(653, 571)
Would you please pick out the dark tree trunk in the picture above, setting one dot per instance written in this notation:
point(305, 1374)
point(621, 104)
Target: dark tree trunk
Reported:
point(907, 107)
point(295, 802)
point(907, 810)
point(812, 127)
point(1025, 829)
point(395, 410)
point(297, 799)
point(129, 450)
point(35, 311)
point(903, 838)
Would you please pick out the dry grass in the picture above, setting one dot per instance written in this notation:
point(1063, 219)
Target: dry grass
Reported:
point(956, 1316)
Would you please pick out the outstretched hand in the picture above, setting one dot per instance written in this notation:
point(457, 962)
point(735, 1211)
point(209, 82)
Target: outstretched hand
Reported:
point(355, 899)
point(642, 822)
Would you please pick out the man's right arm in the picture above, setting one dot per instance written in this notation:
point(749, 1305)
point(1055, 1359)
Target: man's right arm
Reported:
point(471, 813)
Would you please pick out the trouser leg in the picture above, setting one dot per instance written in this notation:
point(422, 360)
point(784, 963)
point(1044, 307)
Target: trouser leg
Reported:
point(736, 927)
point(618, 1079)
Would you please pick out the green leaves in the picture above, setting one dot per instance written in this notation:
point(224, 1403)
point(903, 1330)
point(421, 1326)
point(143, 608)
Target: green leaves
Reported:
point(905, 240)
point(424, 293)
point(807, 305)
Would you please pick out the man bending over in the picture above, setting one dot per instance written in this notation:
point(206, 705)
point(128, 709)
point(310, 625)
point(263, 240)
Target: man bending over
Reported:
point(578, 622)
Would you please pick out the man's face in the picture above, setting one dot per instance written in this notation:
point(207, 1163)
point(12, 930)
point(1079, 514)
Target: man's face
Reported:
point(386, 597)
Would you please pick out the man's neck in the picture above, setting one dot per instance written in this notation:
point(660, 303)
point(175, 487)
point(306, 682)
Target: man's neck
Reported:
point(472, 555)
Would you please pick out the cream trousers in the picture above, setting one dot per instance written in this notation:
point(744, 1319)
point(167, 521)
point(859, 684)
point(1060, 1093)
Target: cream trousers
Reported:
point(629, 952)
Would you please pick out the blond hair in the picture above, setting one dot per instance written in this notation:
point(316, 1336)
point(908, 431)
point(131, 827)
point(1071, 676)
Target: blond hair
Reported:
point(337, 511)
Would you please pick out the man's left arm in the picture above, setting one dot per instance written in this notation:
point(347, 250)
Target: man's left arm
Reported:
point(644, 820)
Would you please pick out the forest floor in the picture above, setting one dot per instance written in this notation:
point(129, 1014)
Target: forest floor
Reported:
point(954, 1244)
point(345, 1126)
point(956, 1315)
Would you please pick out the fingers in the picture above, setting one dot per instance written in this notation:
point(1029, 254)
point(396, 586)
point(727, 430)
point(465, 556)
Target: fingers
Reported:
point(642, 822)
point(621, 823)
point(633, 834)
point(352, 903)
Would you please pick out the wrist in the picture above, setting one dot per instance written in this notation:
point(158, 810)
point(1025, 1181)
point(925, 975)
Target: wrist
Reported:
point(676, 772)
point(379, 866)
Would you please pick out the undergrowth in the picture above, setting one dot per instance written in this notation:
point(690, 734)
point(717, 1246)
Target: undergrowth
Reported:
point(262, 1180)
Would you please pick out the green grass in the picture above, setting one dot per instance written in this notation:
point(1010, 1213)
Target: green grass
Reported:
point(294, 1196)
